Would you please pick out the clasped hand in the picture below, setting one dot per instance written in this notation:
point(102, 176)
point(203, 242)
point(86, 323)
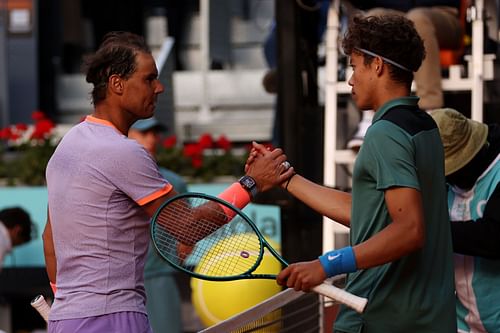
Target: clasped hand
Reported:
point(268, 167)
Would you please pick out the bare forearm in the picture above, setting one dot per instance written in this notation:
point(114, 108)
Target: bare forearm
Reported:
point(392, 243)
point(329, 202)
point(49, 252)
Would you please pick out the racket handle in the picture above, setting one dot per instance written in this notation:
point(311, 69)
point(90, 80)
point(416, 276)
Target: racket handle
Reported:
point(41, 305)
point(340, 295)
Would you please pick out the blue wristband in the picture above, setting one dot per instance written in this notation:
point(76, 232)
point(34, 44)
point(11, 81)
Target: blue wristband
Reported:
point(339, 261)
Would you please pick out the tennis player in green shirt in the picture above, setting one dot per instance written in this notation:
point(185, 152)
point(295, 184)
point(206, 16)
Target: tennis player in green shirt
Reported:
point(400, 256)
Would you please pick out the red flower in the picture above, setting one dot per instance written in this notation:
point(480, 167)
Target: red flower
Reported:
point(192, 149)
point(14, 136)
point(197, 161)
point(38, 115)
point(5, 133)
point(206, 141)
point(21, 127)
point(170, 141)
point(224, 143)
point(43, 128)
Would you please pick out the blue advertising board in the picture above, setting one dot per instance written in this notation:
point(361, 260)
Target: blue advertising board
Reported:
point(34, 201)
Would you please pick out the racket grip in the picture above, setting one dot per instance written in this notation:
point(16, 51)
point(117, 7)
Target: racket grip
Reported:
point(356, 303)
point(41, 305)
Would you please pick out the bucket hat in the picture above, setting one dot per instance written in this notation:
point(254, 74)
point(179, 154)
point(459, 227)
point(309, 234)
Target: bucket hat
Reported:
point(462, 138)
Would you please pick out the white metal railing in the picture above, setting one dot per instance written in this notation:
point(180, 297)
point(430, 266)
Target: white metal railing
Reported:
point(480, 69)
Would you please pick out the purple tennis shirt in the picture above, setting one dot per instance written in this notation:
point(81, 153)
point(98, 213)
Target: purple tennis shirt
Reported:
point(97, 181)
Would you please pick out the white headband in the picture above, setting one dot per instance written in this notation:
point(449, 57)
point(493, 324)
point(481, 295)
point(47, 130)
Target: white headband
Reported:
point(370, 53)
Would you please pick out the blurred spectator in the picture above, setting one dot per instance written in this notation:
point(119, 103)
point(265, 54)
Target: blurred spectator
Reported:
point(472, 168)
point(16, 229)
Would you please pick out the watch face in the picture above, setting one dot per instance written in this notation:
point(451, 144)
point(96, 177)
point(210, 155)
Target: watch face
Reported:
point(248, 182)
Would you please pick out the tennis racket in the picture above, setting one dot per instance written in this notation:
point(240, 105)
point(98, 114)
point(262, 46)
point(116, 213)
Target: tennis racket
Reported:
point(41, 305)
point(210, 239)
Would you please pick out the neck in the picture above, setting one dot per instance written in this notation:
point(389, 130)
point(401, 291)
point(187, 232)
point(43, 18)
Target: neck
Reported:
point(115, 116)
point(388, 91)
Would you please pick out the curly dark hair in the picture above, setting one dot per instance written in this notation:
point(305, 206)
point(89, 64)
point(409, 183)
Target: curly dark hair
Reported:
point(116, 55)
point(391, 36)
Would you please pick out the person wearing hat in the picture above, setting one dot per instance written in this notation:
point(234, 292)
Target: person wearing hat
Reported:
point(163, 298)
point(472, 169)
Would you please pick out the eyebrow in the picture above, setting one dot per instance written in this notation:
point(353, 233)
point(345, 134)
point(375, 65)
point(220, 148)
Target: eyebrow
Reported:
point(387, 60)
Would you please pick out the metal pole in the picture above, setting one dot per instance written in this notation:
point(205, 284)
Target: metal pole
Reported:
point(331, 110)
point(4, 93)
point(204, 111)
point(330, 142)
point(477, 61)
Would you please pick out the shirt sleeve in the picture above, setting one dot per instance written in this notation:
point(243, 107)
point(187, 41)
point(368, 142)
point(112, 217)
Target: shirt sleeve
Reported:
point(391, 156)
point(135, 172)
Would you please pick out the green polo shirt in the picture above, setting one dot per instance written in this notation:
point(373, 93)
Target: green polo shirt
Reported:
point(402, 148)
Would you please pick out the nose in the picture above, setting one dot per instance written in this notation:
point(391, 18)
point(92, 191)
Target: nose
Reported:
point(350, 80)
point(160, 88)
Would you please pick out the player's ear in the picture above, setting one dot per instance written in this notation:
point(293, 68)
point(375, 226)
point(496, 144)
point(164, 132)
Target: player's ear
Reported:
point(115, 83)
point(379, 65)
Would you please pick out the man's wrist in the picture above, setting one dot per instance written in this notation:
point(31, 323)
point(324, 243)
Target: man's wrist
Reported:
point(249, 184)
point(53, 287)
point(338, 261)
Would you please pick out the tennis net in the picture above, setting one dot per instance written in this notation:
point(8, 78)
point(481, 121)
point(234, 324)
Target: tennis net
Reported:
point(287, 311)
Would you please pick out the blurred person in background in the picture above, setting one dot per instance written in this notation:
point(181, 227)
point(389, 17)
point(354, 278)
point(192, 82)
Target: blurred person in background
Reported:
point(472, 169)
point(16, 229)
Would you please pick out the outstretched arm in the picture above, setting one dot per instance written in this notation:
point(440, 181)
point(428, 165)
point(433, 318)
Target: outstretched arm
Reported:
point(329, 202)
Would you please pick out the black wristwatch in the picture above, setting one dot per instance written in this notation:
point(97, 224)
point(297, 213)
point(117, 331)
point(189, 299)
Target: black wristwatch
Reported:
point(249, 184)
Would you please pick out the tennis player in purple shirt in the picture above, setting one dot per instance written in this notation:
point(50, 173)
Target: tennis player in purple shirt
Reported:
point(103, 189)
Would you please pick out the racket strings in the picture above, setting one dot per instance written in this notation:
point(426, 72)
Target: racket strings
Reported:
point(190, 231)
point(179, 219)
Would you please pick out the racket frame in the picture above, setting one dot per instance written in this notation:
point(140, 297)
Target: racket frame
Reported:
point(246, 275)
point(355, 302)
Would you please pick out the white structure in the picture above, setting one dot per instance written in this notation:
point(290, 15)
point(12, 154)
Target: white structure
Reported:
point(480, 69)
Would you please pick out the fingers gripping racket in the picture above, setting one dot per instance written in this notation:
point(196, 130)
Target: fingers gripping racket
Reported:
point(210, 239)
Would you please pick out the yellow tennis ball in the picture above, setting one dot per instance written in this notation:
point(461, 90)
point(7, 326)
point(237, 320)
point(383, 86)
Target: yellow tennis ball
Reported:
point(215, 301)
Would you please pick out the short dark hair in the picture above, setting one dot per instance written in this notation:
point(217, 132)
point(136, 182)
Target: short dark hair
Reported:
point(391, 36)
point(14, 216)
point(116, 55)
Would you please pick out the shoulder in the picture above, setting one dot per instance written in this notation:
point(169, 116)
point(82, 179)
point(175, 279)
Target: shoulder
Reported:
point(410, 119)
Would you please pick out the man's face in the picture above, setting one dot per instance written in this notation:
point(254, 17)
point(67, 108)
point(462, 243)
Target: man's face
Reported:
point(15, 235)
point(141, 89)
point(362, 82)
point(149, 139)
